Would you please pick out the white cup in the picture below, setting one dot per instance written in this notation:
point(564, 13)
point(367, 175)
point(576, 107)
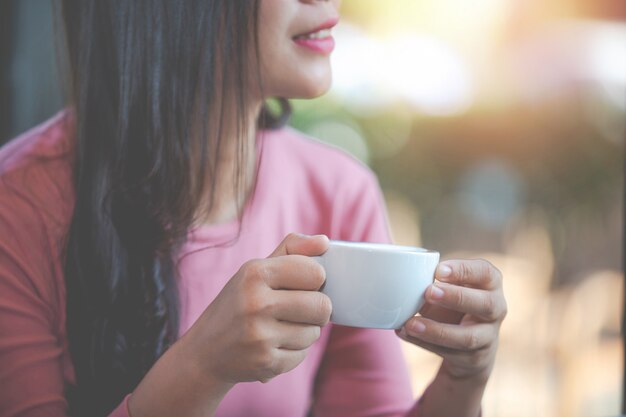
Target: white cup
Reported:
point(376, 285)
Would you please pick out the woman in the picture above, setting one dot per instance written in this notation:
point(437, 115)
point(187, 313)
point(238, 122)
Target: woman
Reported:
point(135, 228)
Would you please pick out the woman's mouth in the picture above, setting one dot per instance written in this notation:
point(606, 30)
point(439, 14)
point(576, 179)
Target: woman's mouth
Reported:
point(320, 40)
point(320, 34)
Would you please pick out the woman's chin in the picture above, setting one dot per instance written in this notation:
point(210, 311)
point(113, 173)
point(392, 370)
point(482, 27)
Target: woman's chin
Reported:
point(311, 88)
point(299, 81)
point(314, 93)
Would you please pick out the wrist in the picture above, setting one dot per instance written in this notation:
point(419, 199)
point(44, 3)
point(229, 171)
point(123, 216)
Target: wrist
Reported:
point(453, 394)
point(196, 370)
point(177, 385)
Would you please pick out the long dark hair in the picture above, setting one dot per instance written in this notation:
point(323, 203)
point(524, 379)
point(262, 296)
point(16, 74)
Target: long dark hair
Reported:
point(148, 85)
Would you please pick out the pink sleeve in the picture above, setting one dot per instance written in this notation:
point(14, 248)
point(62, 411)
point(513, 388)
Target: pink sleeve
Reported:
point(32, 345)
point(363, 372)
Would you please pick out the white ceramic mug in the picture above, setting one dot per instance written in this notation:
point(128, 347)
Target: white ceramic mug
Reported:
point(376, 285)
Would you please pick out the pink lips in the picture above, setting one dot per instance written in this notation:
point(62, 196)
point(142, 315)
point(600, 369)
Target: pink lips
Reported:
point(323, 46)
point(318, 45)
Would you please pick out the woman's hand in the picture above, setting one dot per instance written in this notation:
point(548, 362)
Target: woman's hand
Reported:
point(264, 319)
point(461, 318)
point(258, 327)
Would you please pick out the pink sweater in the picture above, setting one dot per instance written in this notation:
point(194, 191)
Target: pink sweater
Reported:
point(303, 186)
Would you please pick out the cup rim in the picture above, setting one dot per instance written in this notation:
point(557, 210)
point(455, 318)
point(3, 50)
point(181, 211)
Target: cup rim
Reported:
point(382, 247)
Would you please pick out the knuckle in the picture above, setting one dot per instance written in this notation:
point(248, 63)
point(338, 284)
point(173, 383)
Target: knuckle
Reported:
point(308, 336)
point(252, 304)
point(487, 269)
point(502, 309)
point(440, 333)
point(277, 367)
point(264, 361)
point(490, 308)
point(289, 240)
point(268, 306)
point(316, 332)
point(253, 270)
point(261, 271)
point(245, 271)
point(324, 308)
point(253, 335)
point(266, 364)
point(498, 310)
point(319, 273)
point(471, 341)
point(478, 358)
point(312, 270)
point(497, 276)
point(484, 264)
point(484, 267)
point(465, 272)
point(249, 266)
point(295, 360)
point(457, 295)
point(475, 359)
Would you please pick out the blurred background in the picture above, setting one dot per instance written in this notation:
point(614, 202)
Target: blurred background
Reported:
point(496, 128)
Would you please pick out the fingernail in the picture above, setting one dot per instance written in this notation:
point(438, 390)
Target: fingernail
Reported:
point(444, 271)
point(417, 327)
point(436, 292)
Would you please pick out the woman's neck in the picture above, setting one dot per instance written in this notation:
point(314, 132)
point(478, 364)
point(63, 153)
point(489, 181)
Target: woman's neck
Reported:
point(234, 174)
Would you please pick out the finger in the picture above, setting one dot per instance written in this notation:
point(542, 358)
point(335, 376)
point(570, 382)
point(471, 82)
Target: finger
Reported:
point(296, 336)
point(289, 359)
point(487, 305)
point(442, 315)
point(291, 272)
point(305, 307)
point(439, 350)
point(470, 360)
point(299, 244)
point(466, 338)
point(476, 273)
point(285, 361)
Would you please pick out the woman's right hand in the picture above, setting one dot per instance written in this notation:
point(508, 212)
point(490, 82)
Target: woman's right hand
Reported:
point(259, 326)
point(264, 319)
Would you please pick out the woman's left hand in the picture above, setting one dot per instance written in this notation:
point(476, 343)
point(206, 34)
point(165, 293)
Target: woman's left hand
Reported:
point(461, 318)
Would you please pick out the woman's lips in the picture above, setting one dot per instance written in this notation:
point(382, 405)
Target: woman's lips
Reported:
point(320, 39)
point(319, 45)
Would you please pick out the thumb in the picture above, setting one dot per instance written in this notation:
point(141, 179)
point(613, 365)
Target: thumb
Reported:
point(299, 244)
